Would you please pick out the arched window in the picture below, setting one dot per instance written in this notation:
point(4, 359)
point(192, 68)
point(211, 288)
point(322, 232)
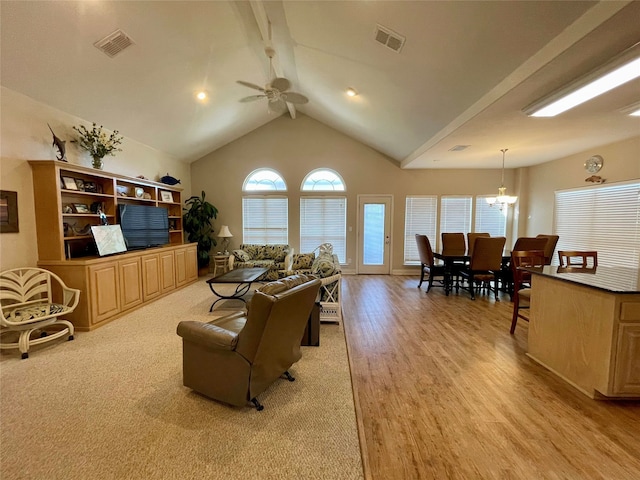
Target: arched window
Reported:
point(323, 180)
point(264, 179)
point(265, 218)
point(323, 217)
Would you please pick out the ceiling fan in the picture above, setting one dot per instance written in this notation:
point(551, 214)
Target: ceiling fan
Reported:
point(276, 91)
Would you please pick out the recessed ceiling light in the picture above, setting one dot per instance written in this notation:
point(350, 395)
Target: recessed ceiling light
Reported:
point(636, 113)
point(201, 96)
point(351, 92)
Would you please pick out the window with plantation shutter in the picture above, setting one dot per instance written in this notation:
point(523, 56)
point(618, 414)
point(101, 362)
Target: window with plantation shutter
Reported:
point(455, 214)
point(324, 220)
point(490, 219)
point(265, 220)
point(420, 216)
point(605, 218)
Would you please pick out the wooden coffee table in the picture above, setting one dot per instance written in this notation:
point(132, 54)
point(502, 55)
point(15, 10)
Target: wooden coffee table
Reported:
point(244, 277)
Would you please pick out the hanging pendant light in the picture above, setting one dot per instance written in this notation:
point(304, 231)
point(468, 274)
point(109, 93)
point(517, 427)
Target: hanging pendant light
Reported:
point(502, 200)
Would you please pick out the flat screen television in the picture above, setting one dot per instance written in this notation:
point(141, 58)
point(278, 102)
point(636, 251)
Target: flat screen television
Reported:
point(143, 225)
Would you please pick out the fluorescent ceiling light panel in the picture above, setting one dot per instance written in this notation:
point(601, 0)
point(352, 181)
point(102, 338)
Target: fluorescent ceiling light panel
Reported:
point(622, 69)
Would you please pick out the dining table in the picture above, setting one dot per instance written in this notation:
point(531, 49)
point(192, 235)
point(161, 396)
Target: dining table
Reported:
point(452, 262)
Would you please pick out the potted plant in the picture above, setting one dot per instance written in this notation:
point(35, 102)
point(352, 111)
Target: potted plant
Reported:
point(197, 224)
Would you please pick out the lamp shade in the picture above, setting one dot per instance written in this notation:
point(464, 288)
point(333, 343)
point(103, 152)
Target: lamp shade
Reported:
point(224, 232)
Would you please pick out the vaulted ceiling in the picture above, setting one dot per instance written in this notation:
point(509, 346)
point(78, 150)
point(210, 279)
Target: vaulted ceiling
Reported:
point(463, 76)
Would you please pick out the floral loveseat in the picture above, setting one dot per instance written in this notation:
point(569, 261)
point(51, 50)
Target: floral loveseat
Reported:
point(327, 269)
point(275, 257)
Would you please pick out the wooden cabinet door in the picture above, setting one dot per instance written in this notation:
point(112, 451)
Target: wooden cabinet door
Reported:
point(192, 263)
point(627, 369)
point(130, 283)
point(181, 267)
point(104, 285)
point(167, 272)
point(150, 276)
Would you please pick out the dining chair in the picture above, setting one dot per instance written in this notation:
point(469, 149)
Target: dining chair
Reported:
point(471, 239)
point(552, 241)
point(453, 244)
point(521, 244)
point(484, 265)
point(569, 258)
point(427, 262)
point(522, 294)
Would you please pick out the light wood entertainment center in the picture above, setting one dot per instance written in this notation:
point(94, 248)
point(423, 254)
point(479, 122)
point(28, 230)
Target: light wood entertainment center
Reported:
point(113, 285)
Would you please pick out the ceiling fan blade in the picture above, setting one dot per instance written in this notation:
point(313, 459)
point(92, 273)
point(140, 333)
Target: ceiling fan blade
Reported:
point(294, 97)
point(252, 98)
point(277, 106)
point(250, 85)
point(281, 84)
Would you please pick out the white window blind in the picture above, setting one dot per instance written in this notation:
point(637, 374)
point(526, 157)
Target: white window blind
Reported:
point(602, 218)
point(455, 214)
point(490, 219)
point(420, 216)
point(324, 220)
point(265, 220)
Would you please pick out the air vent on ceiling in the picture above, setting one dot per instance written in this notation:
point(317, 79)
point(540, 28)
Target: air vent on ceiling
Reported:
point(114, 43)
point(389, 38)
point(459, 148)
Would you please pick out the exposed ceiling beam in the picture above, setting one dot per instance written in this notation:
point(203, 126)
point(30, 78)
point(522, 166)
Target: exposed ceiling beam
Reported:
point(264, 25)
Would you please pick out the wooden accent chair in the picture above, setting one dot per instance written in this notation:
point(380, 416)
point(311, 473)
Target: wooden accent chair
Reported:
point(471, 239)
point(522, 294)
point(569, 258)
point(32, 300)
point(427, 262)
point(522, 244)
point(455, 245)
point(485, 264)
point(552, 241)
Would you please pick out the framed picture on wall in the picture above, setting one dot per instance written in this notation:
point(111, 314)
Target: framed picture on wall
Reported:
point(8, 212)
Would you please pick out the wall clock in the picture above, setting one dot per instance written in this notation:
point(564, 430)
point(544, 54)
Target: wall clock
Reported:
point(594, 164)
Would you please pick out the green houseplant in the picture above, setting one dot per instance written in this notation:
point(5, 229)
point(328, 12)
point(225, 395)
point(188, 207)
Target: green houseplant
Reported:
point(197, 224)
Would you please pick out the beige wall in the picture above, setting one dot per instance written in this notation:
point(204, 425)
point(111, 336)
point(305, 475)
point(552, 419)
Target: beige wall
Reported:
point(24, 135)
point(295, 147)
point(621, 162)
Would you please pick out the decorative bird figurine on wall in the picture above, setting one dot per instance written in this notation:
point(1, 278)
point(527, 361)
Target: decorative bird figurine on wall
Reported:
point(60, 144)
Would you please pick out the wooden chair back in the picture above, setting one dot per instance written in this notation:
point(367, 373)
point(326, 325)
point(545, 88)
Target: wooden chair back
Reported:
point(487, 254)
point(525, 258)
point(552, 241)
point(453, 244)
point(424, 250)
point(529, 243)
point(471, 240)
point(580, 259)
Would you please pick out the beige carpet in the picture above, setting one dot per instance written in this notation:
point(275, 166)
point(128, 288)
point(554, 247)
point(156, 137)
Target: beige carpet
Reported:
point(111, 405)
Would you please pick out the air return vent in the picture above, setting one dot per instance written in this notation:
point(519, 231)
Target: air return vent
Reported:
point(389, 38)
point(114, 43)
point(459, 148)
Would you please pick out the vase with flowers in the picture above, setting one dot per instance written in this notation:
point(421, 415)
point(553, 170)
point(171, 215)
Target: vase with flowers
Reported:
point(98, 143)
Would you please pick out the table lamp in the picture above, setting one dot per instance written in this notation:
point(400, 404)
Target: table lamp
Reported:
point(225, 234)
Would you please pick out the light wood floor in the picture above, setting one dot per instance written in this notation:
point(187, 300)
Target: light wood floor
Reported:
point(443, 391)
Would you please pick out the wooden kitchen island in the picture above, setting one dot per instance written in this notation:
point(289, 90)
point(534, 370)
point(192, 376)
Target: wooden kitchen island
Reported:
point(585, 327)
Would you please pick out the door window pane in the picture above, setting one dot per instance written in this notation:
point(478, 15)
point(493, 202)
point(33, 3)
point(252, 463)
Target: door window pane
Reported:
point(373, 244)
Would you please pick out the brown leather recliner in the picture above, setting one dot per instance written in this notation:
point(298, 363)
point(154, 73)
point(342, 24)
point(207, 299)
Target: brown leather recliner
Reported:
point(235, 358)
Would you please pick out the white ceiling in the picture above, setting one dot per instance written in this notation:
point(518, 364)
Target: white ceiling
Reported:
point(464, 75)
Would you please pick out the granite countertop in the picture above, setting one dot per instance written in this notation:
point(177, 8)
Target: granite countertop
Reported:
point(611, 279)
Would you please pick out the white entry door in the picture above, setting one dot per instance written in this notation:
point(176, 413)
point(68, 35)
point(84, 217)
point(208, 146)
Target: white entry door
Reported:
point(374, 234)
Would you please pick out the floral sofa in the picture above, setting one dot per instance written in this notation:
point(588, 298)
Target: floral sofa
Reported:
point(275, 257)
point(327, 269)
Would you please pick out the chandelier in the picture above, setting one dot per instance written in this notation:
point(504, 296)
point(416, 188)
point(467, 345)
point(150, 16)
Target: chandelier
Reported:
point(502, 200)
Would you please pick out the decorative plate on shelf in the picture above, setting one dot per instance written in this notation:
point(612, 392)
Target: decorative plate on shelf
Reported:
point(139, 191)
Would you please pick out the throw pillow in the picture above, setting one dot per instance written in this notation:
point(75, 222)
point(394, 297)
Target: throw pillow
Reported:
point(302, 261)
point(241, 255)
point(323, 266)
